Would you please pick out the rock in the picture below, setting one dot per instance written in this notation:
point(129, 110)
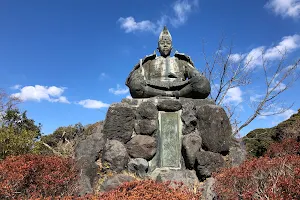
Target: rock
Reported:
point(191, 144)
point(197, 102)
point(91, 146)
point(87, 175)
point(202, 102)
point(170, 105)
point(145, 126)
point(115, 155)
point(208, 190)
point(130, 101)
point(188, 117)
point(207, 163)
point(187, 177)
point(138, 166)
point(119, 122)
point(237, 156)
point(147, 110)
point(87, 152)
point(115, 181)
point(142, 146)
point(214, 127)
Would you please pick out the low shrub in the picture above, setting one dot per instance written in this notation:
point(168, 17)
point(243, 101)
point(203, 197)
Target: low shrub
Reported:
point(149, 189)
point(288, 146)
point(261, 178)
point(31, 176)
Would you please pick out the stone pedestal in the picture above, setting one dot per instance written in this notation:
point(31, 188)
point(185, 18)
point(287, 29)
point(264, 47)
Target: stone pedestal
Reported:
point(174, 136)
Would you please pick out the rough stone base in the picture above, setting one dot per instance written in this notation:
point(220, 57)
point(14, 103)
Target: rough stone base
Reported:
point(134, 125)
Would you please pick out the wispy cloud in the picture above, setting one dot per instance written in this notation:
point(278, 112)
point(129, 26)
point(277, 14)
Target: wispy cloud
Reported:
point(287, 45)
point(256, 97)
point(118, 90)
point(283, 116)
point(285, 8)
point(278, 117)
point(39, 93)
point(130, 25)
point(103, 76)
point(92, 104)
point(180, 11)
point(234, 95)
point(287, 114)
point(236, 57)
point(16, 87)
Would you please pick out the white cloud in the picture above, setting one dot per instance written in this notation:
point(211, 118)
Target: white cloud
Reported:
point(61, 99)
point(39, 92)
point(16, 87)
point(236, 57)
point(279, 87)
point(55, 91)
point(278, 117)
point(283, 116)
point(285, 8)
point(256, 97)
point(181, 9)
point(287, 45)
point(130, 25)
point(254, 57)
point(287, 114)
point(128, 97)
point(119, 90)
point(93, 104)
point(234, 95)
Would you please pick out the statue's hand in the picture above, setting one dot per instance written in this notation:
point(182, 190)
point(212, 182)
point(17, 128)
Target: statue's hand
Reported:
point(195, 80)
point(200, 86)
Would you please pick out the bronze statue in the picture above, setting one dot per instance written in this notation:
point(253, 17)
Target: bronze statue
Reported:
point(167, 76)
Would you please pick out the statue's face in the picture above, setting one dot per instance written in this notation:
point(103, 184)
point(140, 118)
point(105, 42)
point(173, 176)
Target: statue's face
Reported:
point(165, 47)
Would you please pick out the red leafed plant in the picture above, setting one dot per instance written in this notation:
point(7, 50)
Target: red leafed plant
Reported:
point(288, 146)
point(261, 178)
point(30, 176)
point(149, 189)
point(144, 190)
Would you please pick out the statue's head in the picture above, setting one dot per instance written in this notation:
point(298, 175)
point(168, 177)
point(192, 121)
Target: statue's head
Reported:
point(165, 42)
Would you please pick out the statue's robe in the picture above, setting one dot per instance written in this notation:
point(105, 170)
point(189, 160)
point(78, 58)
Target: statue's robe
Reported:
point(170, 76)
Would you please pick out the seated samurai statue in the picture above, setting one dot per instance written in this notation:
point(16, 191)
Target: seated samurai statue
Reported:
point(167, 76)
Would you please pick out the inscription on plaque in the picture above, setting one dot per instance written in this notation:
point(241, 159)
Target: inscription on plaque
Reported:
point(170, 141)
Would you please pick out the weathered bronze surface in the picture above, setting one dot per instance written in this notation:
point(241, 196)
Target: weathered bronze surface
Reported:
point(165, 75)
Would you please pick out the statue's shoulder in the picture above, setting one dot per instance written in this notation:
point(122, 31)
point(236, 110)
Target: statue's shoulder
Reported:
point(144, 60)
point(184, 57)
point(149, 57)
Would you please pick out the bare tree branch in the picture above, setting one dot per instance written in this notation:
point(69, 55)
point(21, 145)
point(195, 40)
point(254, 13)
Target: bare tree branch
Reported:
point(226, 73)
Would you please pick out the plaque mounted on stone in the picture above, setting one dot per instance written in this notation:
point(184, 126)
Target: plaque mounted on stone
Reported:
point(169, 138)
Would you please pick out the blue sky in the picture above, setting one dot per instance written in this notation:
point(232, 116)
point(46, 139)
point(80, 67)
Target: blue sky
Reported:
point(68, 60)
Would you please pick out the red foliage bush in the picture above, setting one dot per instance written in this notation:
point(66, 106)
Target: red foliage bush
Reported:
point(149, 189)
point(143, 190)
point(31, 176)
point(261, 178)
point(287, 147)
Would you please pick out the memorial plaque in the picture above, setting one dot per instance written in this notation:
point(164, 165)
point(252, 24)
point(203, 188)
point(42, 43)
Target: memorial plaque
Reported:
point(170, 141)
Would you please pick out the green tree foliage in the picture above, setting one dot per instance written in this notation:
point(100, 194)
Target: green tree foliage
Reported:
point(17, 133)
point(258, 141)
point(61, 141)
